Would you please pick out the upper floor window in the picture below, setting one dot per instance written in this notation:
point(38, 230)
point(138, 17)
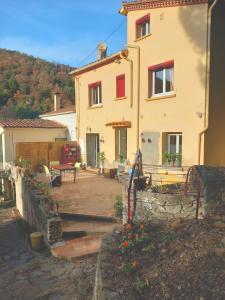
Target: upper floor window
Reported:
point(143, 26)
point(120, 86)
point(95, 93)
point(161, 79)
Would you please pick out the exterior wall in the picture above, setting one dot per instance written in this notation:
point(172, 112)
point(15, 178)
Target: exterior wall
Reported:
point(67, 119)
point(16, 135)
point(179, 34)
point(215, 140)
point(94, 120)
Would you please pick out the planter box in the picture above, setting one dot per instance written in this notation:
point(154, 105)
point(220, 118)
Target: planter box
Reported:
point(110, 173)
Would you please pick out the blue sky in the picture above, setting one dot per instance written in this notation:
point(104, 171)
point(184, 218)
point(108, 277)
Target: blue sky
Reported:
point(61, 31)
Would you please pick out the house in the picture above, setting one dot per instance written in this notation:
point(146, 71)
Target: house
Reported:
point(15, 131)
point(65, 116)
point(164, 93)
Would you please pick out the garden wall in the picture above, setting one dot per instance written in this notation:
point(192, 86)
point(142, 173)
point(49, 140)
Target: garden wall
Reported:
point(34, 208)
point(162, 205)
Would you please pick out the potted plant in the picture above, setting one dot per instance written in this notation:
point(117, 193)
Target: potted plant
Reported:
point(101, 160)
point(173, 159)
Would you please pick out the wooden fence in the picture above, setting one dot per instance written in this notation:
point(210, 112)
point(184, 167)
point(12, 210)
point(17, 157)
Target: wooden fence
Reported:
point(39, 153)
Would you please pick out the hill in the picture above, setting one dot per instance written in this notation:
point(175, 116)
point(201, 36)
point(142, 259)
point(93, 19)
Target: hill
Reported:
point(27, 83)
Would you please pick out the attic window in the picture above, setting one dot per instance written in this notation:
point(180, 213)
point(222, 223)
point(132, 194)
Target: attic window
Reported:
point(143, 26)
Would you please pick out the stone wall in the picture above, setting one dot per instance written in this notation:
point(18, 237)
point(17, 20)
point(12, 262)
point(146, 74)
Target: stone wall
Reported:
point(34, 208)
point(104, 287)
point(161, 206)
point(158, 205)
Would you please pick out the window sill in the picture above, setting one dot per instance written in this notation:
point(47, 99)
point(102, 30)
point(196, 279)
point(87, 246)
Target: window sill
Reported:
point(143, 37)
point(121, 98)
point(165, 96)
point(95, 106)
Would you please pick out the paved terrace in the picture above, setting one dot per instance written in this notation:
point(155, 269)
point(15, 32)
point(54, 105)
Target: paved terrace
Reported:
point(90, 195)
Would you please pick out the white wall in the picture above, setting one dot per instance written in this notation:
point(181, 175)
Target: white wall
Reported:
point(67, 119)
point(16, 135)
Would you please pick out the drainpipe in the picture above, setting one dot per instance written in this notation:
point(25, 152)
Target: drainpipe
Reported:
point(207, 81)
point(77, 80)
point(124, 55)
point(138, 92)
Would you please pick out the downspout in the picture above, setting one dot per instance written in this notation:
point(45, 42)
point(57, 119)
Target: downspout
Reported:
point(138, 92)
point(77, 88)
point(208, 60)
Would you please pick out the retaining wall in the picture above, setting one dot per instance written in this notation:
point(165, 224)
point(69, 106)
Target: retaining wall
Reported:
point(34, 208)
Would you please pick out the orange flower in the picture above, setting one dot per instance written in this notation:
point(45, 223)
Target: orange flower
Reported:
point(141, 226)
point(134, 264)
point(128, 226)
point(125, 244)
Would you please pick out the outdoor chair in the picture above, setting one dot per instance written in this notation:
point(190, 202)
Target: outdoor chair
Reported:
point(54, 178)
point(77, 166)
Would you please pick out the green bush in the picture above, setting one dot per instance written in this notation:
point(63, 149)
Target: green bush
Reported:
point(118, 207)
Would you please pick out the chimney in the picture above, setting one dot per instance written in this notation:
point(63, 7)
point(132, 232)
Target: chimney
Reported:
point(102, 51)
point(57, 101)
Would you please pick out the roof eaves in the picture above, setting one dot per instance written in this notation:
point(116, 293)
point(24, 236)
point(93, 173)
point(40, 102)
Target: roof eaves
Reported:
point(146, 4)
point(96, 64)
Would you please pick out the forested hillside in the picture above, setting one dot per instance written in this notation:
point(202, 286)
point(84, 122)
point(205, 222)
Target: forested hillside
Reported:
point(27, 83)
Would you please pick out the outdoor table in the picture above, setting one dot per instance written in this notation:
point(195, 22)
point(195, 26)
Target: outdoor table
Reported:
point(64, 168)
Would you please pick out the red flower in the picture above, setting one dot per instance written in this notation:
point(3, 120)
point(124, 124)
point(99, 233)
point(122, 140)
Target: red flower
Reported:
point(141, 226)
point(125, 244)
point(128, 226)
point(137, 236)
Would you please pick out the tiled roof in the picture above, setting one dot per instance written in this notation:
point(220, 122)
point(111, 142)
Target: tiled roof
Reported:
point(66, 109)
point(130, 5)
point(30, 123)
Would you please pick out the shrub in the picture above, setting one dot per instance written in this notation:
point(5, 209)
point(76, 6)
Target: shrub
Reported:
point(118, 207)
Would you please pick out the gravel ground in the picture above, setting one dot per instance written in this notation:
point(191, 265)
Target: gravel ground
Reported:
point(28, 275)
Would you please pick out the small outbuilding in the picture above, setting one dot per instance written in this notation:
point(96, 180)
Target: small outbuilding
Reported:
point(26, 130)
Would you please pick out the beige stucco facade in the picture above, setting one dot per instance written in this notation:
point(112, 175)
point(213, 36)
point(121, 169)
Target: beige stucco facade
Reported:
point(12, 136)
point(178, 33)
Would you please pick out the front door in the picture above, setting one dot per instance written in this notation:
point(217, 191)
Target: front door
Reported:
point(121, 143)
point(92, 144)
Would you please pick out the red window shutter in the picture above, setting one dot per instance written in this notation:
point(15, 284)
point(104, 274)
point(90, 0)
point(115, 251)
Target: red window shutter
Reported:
point(120, 86)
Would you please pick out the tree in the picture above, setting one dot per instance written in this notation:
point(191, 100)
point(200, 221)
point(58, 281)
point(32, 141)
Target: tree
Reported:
point(24, 111)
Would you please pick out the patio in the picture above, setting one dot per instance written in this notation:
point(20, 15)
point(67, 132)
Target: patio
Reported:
point(91, 194)
point(87, 210)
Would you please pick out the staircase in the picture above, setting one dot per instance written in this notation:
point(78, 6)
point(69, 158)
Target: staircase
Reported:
point(82, 235)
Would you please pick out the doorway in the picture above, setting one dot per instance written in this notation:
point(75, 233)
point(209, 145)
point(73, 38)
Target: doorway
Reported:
point(92, 144)
point(121, 143)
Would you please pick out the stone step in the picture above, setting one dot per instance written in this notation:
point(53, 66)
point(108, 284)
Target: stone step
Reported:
point(85, 217)
point(77, 248)
point(88, 227)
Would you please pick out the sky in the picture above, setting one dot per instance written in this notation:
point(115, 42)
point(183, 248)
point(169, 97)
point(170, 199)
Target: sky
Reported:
point(62, 31)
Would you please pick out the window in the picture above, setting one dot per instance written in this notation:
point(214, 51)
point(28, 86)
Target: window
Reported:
point(95, 93)
point(161, 79)
point(120, 86)
point(174, 143)
point(172, 148)
point(143, 26)
point(60, 139)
